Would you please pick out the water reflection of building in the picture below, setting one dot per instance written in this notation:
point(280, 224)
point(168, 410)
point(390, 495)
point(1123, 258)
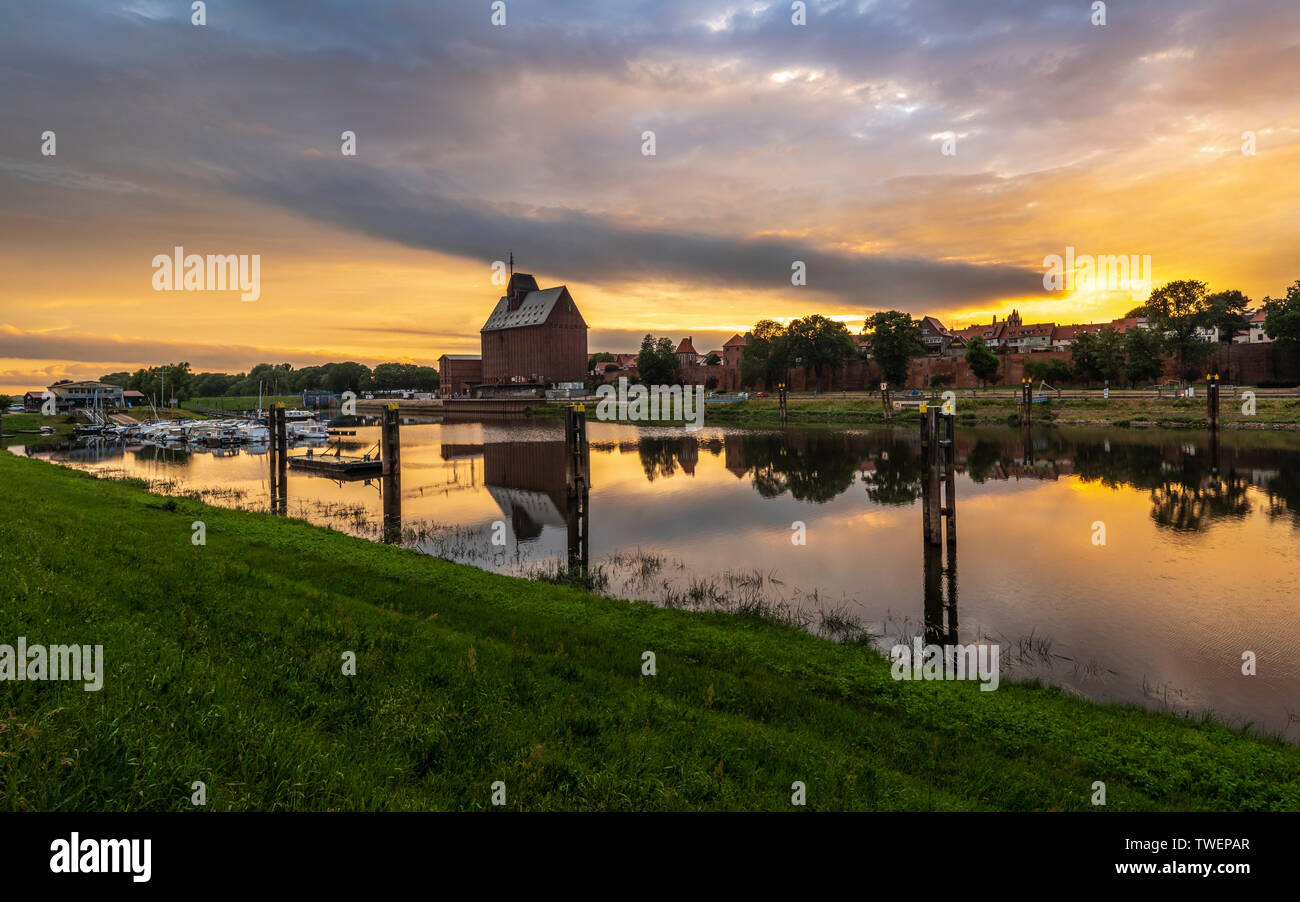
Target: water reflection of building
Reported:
point(526, 480)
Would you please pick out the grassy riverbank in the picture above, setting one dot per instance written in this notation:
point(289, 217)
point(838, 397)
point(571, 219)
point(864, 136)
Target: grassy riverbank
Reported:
point(22, 428)
point(223, 664)
point(235, 403)
point(1000, 407)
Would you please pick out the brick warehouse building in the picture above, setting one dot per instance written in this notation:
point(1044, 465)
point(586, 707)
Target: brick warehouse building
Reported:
point(534, 337)
point(457, 372)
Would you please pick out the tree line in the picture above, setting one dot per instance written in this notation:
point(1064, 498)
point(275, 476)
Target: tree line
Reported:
point(1176, 314)
point(183, 384)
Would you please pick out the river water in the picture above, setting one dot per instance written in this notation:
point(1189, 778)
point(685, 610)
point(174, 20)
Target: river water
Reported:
point(1198, 564)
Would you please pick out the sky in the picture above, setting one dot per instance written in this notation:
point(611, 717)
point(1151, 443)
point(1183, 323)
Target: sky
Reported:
point(822, 143)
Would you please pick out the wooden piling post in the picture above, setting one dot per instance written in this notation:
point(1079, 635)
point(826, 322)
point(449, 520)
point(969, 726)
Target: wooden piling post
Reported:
point(1212, 400)
point(932, 491)
point(282, 463)
point(390, 457)
point(887, 402)
point(949, 448)
point(925, 473)
point(277, 426)
point(274, 471)
point(577, 475)
point(781, 394)
point(939, 502)
point(932, 590)
point(577, 523)
point(577, 479)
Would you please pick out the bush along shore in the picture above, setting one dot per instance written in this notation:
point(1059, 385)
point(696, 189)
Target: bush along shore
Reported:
point(286, 666)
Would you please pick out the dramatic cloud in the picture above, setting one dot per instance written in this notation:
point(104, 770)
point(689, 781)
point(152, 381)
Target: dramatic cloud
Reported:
point(774, 143)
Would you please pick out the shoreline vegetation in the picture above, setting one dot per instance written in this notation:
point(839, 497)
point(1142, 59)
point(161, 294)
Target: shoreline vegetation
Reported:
point(223, 663)
point(999, 407)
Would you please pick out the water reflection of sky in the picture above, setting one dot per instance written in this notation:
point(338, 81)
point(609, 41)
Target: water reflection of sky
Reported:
point(1198, 566)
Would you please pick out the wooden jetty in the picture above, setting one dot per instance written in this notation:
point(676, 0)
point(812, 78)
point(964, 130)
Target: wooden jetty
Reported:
point(336, 466)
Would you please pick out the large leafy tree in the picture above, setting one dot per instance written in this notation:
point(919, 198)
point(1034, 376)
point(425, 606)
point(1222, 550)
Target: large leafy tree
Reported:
point(1143, 351)
point(1083, 356)
point(820, 344)
point(399, 376)
point(1054, 371)
point(1179, 309)
point(340, 377)
point(767, 355)
point(172, 380)
point(213, 385)
point(1110, 354)
point(1282, 316)
point(1226, 310)
point(981, 360)
point(656, 363)
point(894, 338)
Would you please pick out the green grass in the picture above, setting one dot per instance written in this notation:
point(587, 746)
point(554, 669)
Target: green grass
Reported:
point(242, 402)
point(14, 422)
point(223, 664)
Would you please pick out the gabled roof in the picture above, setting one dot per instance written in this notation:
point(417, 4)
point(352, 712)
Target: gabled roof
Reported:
point(1032, 330)
point(1070, 333)
point(87, 383)
point(1131, 322)
point(989, 331)
point(534, 310)
point(686, 347)
point(461, 357)
point(736, 341)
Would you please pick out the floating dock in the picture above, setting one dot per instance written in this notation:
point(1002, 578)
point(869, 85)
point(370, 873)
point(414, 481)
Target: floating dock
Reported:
point(337, 467)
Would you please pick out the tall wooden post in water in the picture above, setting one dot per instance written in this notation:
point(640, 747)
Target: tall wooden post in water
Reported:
point(930, 491)
point(577, 481)
point(277, 427)
point(390, 456)
point(1212, 400)
point(782, 394)
point(948, 447)
point(939, 501)
point(927, 505)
